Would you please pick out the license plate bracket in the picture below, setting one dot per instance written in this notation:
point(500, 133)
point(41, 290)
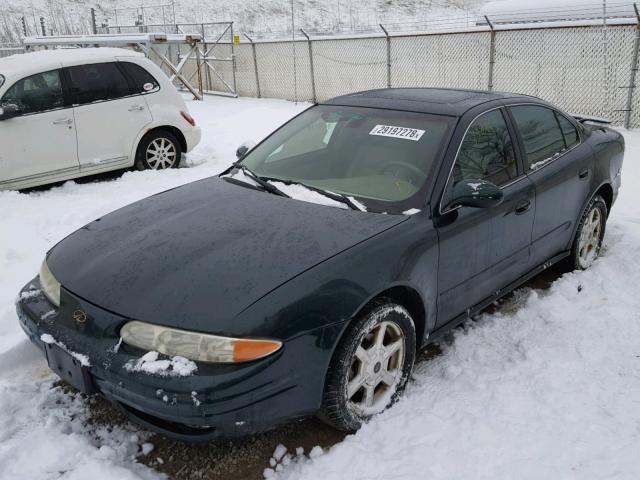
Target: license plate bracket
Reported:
point(69, 369)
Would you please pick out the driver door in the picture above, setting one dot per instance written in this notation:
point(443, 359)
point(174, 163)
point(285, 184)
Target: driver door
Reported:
point(482, 250)
point(41, 139)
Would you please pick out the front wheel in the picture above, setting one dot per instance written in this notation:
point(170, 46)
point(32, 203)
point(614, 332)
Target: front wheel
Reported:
point(589, 236)
point(158, 150)
point(370, 367)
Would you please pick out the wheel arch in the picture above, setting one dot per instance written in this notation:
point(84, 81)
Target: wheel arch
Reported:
point(411, 299)
point(169, 128)
point(605, 190)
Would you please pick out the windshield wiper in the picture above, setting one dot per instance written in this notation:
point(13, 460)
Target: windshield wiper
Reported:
point(268, 187)
point(338, 197)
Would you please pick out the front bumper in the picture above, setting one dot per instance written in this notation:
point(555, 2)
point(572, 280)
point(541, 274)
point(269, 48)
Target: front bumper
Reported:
point(216, 402)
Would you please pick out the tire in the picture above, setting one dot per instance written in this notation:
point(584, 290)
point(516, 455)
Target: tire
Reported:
point(352, 362)
point(589, 235)
point(167, 147)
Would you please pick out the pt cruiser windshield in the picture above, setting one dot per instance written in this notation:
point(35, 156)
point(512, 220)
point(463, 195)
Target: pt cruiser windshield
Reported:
point(382, 157)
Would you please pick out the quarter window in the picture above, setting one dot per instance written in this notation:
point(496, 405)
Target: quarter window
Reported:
point(570, 133)
point(143, 81)
point(37, 93)
point(486, 152)
point(97, 82)
point(540, 132)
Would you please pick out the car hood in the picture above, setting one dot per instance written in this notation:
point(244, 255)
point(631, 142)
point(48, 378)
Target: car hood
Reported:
point(202, 251)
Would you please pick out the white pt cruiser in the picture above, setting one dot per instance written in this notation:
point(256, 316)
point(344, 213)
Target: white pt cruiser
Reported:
point(74, 112)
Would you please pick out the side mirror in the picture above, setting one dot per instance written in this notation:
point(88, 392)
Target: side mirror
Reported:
point(475, 193)
point(244, 149)
point(241, 151)
point(9, 111)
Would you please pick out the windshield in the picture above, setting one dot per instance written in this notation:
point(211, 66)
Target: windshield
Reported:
point(1, 80)
point(382, 157)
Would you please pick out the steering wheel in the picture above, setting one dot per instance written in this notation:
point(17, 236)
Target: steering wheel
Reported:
point(414, 172)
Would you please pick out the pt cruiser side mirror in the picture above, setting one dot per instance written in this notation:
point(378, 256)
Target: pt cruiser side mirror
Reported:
point(9, 111)
point(475, 193)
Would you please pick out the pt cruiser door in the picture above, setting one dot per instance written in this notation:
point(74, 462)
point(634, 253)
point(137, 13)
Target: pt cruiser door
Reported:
point(39, 139)
point(109, 114)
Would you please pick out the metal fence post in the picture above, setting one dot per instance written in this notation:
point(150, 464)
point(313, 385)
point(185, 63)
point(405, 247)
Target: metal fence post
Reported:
point(386, 34)
point(204, 50)
point(233, 60)
point(94, 25)
point(255, 64)
point(313, 77)
point(492, 52)
point(634, 70)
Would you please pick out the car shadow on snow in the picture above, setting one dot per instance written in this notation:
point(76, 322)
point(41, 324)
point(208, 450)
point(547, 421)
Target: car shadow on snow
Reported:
point(247, 458)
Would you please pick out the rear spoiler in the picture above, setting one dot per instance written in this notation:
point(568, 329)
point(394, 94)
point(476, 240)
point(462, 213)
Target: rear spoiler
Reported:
point(590, 120)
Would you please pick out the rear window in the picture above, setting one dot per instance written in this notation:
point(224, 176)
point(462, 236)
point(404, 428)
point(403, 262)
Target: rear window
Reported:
point(143, 81)
point(1, 80)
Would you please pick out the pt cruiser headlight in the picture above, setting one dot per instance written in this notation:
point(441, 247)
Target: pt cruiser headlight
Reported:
point(199, 347)
point(50, 286)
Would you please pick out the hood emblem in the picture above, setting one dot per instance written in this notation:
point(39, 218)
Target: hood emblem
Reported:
point(80, 317)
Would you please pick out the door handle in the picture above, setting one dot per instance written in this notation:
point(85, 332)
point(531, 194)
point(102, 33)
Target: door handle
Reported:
point(136, 108)
point(522, 207)
point(583, 173)
point(63, 121)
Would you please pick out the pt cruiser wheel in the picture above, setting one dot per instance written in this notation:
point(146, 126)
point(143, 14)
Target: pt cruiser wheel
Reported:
point(157, 151)
point(586, 247)
point(370, 366)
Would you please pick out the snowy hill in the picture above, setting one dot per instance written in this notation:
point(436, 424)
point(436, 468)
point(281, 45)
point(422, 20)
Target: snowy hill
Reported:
point(73, 16)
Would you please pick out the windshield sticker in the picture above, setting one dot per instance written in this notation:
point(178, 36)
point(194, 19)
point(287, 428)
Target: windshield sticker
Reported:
point(397, 132)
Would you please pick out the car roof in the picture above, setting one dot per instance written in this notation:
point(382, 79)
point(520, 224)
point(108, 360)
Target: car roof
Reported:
point(43, 60)
point(442, 101)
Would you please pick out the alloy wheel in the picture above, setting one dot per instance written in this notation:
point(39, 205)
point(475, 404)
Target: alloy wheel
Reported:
point(590, 237)
point(161, 153)
point(376, 369)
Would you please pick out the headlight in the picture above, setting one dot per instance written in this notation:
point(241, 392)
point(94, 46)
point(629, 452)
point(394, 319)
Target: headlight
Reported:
point(50, 286)
point(200, 347)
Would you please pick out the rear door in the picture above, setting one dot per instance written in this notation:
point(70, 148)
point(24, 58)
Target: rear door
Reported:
point(560, 167)
point(109, 113)
point(482, 250)
point(41, 140)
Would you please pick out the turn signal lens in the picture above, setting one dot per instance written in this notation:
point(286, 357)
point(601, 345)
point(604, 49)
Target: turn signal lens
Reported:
point(199, 347)
point(246, 350)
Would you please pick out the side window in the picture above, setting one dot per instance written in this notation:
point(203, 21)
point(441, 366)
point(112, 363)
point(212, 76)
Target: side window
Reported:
point(540, 132)
point(570, 133)
point(143, 81)
point(486, 152)
point(97, 82)
point(37, 93)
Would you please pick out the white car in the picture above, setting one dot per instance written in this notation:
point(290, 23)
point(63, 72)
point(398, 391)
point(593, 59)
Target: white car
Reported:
point(73, 112)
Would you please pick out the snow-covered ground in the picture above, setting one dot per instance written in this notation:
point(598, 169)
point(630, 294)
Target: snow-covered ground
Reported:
point(549, 388)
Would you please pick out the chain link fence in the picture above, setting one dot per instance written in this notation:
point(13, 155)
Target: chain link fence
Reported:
point(585, 69)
